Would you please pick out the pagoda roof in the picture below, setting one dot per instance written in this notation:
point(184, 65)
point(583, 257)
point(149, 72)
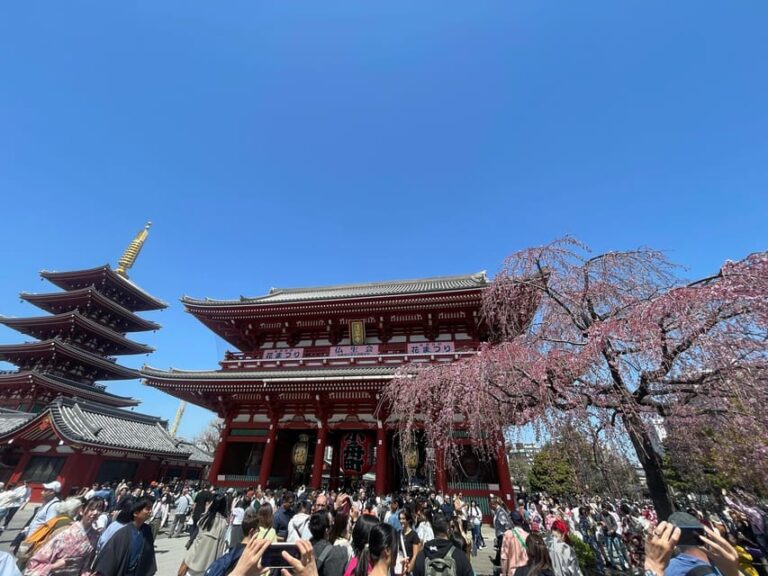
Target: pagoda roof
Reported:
point(107, 369)
point(104, 276)
point(67, 387)
point(475, 281)
point(96, 425)
point(60, 302)
point(46, 327)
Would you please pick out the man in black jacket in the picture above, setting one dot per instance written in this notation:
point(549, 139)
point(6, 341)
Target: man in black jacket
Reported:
point(131, 551)
point(442, 548)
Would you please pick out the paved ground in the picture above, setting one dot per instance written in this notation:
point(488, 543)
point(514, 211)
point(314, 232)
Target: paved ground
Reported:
point(170, 551)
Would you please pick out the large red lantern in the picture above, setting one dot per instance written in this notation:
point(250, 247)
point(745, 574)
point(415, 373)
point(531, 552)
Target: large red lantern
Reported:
point(356, 453)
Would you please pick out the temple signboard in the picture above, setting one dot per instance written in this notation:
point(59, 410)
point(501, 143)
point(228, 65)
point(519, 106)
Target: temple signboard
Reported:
point(365, 350)
point(283, 354)
point(431, 348)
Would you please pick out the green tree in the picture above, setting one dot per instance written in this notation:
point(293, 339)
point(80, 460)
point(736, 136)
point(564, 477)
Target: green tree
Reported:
point(552, 472)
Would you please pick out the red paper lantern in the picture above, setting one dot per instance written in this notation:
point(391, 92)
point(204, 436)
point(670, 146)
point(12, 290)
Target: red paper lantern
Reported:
point(356, 453)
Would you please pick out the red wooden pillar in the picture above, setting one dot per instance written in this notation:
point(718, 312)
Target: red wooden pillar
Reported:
point(382, 458)
point(505, 482)
point(269, 455)
point(71, 472)
point(440, 484)
point(16, 477)
point(218, 457)
point(317, 463)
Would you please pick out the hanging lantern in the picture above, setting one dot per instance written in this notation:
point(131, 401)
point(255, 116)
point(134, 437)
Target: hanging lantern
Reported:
point(411, 459)
point(299, 453)
point(356, 453)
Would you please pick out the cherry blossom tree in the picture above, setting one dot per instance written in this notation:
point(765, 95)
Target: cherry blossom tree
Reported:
point(616, 341)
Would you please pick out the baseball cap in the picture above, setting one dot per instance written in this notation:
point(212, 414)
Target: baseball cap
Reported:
point(55, 486)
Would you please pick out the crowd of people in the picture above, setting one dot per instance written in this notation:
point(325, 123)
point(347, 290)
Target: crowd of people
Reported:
point(111, 530)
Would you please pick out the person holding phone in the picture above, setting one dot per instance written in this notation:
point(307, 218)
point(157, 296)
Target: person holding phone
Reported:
point(702, 550)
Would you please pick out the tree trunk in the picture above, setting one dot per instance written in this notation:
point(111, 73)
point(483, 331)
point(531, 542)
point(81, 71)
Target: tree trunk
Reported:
point(650, 460)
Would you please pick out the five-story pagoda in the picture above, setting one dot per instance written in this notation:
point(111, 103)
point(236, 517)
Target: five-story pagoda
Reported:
point(56, 420)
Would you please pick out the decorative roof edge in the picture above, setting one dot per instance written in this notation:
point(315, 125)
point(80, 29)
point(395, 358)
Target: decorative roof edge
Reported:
point(478, 278)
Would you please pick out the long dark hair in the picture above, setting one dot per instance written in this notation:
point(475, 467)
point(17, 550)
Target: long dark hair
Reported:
point(217, 506)
point(361, 532)
point(382, 537)
point(538, 556)
point(339, 528)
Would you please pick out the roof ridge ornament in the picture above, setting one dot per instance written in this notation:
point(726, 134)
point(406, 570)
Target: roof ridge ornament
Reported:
point(132, 252)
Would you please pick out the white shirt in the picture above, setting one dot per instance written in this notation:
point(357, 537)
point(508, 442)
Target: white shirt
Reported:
point(298, 528)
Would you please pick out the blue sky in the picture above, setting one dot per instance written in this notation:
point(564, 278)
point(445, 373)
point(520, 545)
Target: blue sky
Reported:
point(303, 143)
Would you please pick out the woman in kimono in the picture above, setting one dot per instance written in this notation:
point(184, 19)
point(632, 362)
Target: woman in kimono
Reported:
point(70, 551)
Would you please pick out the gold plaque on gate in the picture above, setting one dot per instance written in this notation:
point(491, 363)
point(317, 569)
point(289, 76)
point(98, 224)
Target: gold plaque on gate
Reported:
point(357, 332)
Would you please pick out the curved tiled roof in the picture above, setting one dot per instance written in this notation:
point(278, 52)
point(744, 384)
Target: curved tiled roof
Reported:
point(236, 376)
point(343, 291)
point(76, 279)
point(60, 302)
point(35, 326)
point(70, 387)
point(103, 426)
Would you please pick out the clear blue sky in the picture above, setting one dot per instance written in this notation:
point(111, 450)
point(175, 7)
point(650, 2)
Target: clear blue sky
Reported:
point(313, 142)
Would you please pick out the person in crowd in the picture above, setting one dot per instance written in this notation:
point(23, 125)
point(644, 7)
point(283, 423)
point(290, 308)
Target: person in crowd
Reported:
point(226, 563)
point(210, 542)
point(71, 548)
point(266, 529)
point(48, 510)
point(409, 542)
point(380, 552)
point(424, 525)
point(475, 519)
point(131, 550)
point(66, 512)
point(183, 506)
point(563, 558)
point(710, 554)
point(360, 536)
point(441, 551)
point(20, 496)
point(513, 547)
point(501, 523)
point(331, 560)
point(298, 527)
point(200, 501)
point(392, 517)
point(283, 516)
point(340, 533)
point(538, 563)
point(235, 532)
point(123, 517)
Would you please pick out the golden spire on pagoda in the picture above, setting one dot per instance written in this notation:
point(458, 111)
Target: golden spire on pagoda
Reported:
point(131, 253)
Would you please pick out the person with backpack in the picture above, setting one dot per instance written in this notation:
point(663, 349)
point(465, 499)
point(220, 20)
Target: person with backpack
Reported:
point(70, 549)
point(440, 557)
point(65, 515)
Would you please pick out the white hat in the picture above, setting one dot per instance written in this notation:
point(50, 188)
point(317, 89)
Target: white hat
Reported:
point(55, 486)
point(70, 506)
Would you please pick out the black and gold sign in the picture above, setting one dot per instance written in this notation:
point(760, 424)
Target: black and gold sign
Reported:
point(357, 332)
